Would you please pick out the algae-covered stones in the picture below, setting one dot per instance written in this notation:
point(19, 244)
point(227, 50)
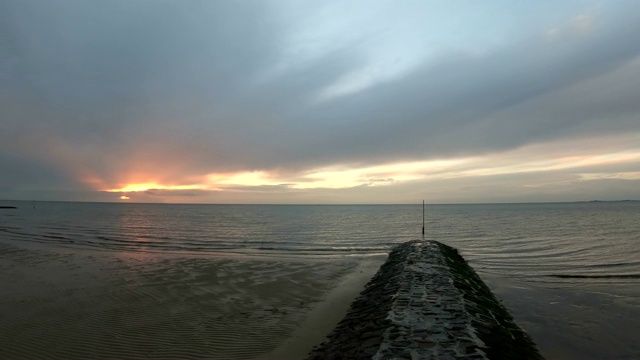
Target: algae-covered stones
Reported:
point(426, 302)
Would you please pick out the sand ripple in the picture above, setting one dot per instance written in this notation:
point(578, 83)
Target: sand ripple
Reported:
point(65, 305)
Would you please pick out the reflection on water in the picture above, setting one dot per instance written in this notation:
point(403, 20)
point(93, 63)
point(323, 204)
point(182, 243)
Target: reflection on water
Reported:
point(565, 270)
point(138, 226)
point(533, 242)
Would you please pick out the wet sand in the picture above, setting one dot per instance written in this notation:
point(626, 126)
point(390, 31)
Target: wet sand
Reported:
point(328, 312)
point(69, 303)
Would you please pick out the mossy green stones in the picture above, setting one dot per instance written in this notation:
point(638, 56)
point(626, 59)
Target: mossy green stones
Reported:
point(426, 302)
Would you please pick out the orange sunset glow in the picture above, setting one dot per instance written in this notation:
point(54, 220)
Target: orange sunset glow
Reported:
point(319, 104)
point(572, 162)
point(152, 186)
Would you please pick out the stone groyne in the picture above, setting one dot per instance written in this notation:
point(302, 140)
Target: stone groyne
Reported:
point(426, 302)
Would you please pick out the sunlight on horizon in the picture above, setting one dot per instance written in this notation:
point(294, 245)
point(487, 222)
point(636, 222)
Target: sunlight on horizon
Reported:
point(151, 186)
point(520, 161)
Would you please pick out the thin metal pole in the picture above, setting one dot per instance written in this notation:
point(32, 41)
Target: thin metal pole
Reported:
point(422, 218)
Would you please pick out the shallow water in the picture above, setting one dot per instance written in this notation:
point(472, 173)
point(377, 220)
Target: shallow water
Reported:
point(569, 273)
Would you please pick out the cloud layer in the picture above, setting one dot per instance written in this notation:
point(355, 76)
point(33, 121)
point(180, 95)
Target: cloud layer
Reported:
point(290, 102)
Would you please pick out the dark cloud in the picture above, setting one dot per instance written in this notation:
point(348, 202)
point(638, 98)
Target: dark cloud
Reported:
point(108, 90)
point(458, 104)
point(20, 172)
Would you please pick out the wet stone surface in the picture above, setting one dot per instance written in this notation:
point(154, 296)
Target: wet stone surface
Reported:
point(426, 302)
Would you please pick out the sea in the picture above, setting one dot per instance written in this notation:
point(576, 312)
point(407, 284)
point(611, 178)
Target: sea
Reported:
point(80, 278)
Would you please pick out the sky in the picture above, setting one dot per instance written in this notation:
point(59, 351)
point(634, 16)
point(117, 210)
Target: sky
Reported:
point(319, 101)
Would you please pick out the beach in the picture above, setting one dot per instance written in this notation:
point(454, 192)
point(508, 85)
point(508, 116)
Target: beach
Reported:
point(86, 305)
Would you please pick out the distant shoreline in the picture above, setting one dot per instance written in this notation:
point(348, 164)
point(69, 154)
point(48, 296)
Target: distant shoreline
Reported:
point(310, 204)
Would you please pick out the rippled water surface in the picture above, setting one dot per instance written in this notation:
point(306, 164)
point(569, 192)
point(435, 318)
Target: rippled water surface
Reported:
point(569, 273)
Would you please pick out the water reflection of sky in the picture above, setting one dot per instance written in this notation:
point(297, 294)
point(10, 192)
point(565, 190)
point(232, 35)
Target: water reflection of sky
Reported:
point(516, 248)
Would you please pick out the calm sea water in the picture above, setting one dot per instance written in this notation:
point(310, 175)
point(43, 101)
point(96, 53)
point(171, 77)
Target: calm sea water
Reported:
point(569, 272)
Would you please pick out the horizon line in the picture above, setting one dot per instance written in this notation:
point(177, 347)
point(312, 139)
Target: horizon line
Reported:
point(327, 204)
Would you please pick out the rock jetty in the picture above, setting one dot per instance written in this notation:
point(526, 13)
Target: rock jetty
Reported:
point(426, 302)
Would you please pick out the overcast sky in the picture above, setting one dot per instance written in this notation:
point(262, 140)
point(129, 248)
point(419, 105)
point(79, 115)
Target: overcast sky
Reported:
point(319, 101)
